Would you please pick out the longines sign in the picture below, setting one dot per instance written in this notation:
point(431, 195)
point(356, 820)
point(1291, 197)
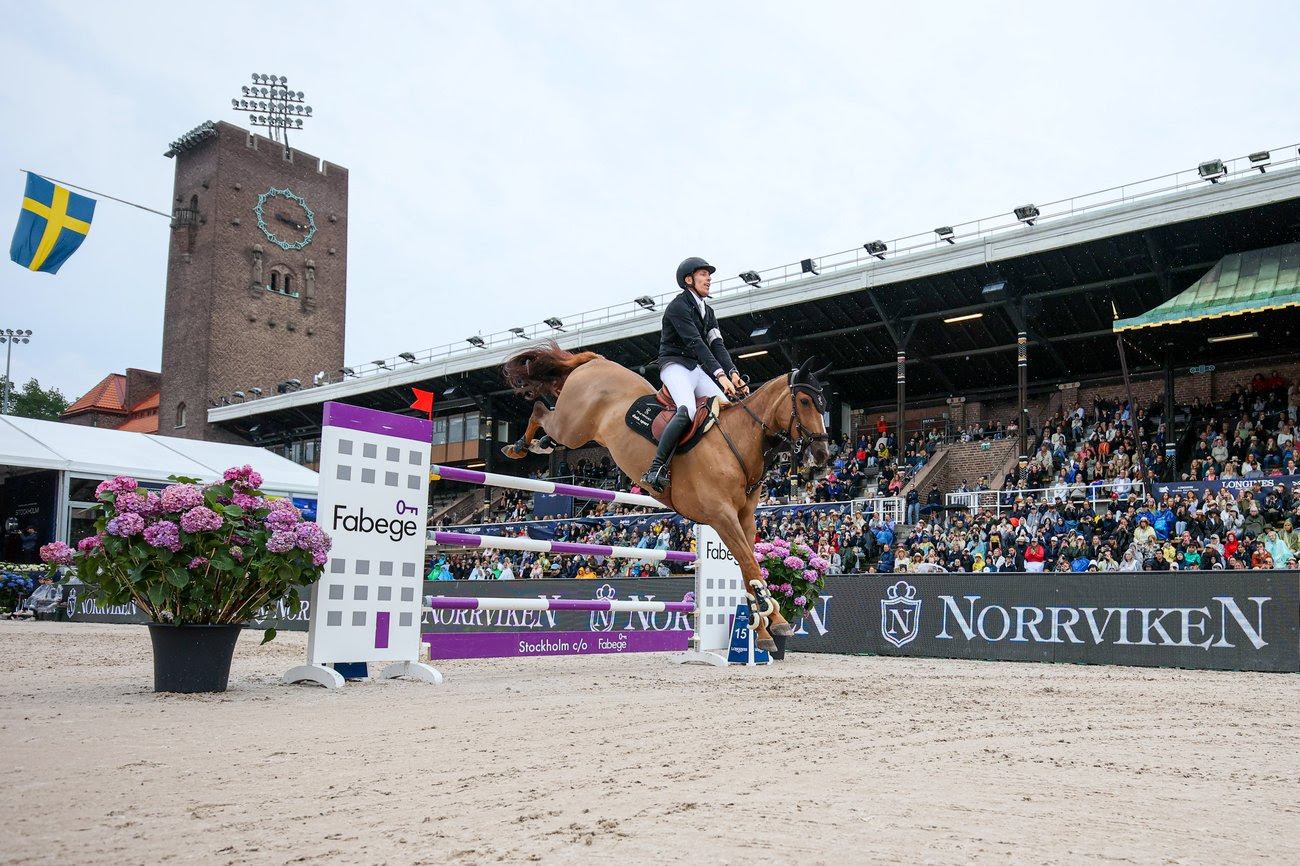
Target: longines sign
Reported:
point(1230, 621)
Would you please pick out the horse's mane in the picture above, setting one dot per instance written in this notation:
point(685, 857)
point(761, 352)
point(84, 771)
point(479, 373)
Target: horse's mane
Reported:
point(540, 371)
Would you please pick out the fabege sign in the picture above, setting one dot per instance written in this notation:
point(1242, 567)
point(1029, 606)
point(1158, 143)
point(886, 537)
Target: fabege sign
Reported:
point(1232, 621)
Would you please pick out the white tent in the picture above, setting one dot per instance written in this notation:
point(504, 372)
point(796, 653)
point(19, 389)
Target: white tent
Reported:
point(83, 455)
point(93, 451)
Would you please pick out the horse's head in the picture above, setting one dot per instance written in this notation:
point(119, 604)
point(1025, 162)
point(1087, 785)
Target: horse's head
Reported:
point(807, 405)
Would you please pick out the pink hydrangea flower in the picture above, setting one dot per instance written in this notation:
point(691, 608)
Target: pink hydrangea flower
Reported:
point(126, 525)
point(763, 547)
point(200, 519)
point(181, 497)
point(793, 562)
point(244, 501)
point(131, 502)
point(197, 562)
point(281, 542)
point(120, 484)
point(801, 602)
point(90, 542)
point(810, 574)
point(164, 534)
point(56, 553)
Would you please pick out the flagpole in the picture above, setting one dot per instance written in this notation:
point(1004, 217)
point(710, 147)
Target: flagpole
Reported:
point(100, 194)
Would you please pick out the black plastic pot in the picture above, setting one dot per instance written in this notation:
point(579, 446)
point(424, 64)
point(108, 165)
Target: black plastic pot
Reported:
point(192, 658)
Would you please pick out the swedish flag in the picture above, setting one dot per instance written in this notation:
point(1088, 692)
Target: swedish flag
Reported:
point(51, 226)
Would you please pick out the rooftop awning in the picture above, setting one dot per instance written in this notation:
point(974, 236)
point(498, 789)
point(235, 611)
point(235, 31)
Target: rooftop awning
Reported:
point(1249, 282)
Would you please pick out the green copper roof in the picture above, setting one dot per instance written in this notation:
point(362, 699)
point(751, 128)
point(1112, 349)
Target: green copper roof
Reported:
point(1247, 282)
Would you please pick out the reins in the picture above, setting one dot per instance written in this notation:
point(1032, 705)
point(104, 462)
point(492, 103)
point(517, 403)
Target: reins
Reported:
point(785, 439)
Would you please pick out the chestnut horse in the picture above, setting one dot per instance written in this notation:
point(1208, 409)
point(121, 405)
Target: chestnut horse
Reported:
point(715, 483)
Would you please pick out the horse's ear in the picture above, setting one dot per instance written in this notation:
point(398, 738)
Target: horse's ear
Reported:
point(802, 372)
point(819, 375)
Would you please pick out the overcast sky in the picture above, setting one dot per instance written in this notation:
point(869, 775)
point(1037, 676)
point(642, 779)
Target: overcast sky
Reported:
point(512, 161)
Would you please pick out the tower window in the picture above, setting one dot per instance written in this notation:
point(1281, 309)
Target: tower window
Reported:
point(180, 415)
point(288, 284)
point(275, 281)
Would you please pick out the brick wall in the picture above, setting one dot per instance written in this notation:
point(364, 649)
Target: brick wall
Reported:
point(223, 330)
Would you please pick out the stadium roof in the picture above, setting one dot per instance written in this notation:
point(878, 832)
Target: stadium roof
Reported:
point(1069, 272)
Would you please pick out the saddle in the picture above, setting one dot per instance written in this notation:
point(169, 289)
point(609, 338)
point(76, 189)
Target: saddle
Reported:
point(649, 415)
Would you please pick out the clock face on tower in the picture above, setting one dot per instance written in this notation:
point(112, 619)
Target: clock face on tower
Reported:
point(285, 218)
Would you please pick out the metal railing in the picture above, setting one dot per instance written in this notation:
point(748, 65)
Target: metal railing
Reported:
point(998, 501)
point(892, 507)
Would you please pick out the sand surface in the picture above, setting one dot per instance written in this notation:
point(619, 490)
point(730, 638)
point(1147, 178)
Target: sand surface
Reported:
point(822, 759)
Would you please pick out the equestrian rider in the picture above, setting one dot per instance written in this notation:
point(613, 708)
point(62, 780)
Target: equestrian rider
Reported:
point(693, 362)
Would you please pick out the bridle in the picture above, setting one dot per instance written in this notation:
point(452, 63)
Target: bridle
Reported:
point(784, 437)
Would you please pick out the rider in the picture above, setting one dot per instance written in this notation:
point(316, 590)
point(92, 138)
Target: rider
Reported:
point(693, 362)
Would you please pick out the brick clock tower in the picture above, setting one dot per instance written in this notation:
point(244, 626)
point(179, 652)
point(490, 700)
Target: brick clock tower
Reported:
point(256, 273)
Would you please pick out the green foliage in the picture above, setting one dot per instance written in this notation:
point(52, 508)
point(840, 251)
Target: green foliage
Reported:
point(33, 401)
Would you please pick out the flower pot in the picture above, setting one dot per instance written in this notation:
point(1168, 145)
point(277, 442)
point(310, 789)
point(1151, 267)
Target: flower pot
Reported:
point(192, 658)
point(780, 640)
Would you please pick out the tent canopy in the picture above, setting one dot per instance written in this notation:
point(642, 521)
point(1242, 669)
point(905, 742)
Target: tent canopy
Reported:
point(1249, 282)
point(25, 442)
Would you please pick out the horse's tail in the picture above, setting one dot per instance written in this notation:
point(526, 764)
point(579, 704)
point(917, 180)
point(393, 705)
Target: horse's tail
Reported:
point(540, 371)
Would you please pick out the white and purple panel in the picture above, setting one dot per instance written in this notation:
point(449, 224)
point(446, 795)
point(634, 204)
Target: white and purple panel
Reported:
point(374, 486)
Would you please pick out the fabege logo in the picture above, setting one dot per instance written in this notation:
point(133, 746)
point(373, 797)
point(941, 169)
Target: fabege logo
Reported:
point(900, 614)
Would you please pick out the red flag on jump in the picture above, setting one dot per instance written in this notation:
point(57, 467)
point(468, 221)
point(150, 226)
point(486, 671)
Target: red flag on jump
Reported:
point(423, 402)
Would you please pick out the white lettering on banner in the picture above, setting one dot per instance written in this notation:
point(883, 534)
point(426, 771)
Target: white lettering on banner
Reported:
point(1067, 627)
point(1021, 625)
point(1134, 626)
point(1229, 604)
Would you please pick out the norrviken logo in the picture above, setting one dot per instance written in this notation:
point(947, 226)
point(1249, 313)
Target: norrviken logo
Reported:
point(900, 614)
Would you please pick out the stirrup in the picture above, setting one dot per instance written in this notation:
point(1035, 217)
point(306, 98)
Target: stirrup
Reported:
point(656, 481)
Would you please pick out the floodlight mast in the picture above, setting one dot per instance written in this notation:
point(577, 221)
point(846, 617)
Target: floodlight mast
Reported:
point(271, 104)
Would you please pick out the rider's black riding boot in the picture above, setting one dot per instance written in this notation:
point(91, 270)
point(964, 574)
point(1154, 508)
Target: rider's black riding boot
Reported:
point(656, 477)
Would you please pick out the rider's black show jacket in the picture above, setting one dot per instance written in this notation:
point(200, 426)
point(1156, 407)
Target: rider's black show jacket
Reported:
point(690, 340)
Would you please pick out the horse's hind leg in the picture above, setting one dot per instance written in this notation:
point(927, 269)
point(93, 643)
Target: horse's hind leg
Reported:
point(529, 441)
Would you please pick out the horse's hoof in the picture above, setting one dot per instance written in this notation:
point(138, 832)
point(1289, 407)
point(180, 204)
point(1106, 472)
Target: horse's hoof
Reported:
point(509, 451)
point(782, 629)
point(768, 645)
point(538, 448)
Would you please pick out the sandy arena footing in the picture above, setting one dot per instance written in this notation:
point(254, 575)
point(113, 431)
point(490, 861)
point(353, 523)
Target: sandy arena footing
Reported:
point(832, 759)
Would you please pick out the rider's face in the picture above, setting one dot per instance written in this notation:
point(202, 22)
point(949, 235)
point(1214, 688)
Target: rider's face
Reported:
point(701, 280)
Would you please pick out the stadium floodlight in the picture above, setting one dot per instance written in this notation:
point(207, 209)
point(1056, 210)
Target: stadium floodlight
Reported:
point(645, 302)
point(952, 320)
point(555, 323)
point(408, 357)
point(476, 341)
point(945, 234)
point(518, 332)
point(256, 392)
point(382, 363)
point(750, 277)
point(752, 354)
point(807, 266)
point(1027, 213)
point(1212, 170)
point(1260, 159)
point(347, 371)
point(876, 248)
point(760, 331)
point(450, 392)
point(994, 292)
point(238, 394)
point(1249, 335)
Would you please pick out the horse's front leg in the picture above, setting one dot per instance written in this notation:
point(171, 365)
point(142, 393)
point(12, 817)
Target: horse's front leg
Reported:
point(529, 442)
point(762, 606)
point(776, 623)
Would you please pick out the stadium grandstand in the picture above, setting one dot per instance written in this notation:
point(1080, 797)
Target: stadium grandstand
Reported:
point(1058, 376)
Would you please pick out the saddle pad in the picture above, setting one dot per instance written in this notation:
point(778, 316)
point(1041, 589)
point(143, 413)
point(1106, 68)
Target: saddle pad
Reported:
point(648, 417)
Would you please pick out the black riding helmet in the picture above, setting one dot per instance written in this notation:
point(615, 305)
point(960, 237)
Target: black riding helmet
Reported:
point(690, 266)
